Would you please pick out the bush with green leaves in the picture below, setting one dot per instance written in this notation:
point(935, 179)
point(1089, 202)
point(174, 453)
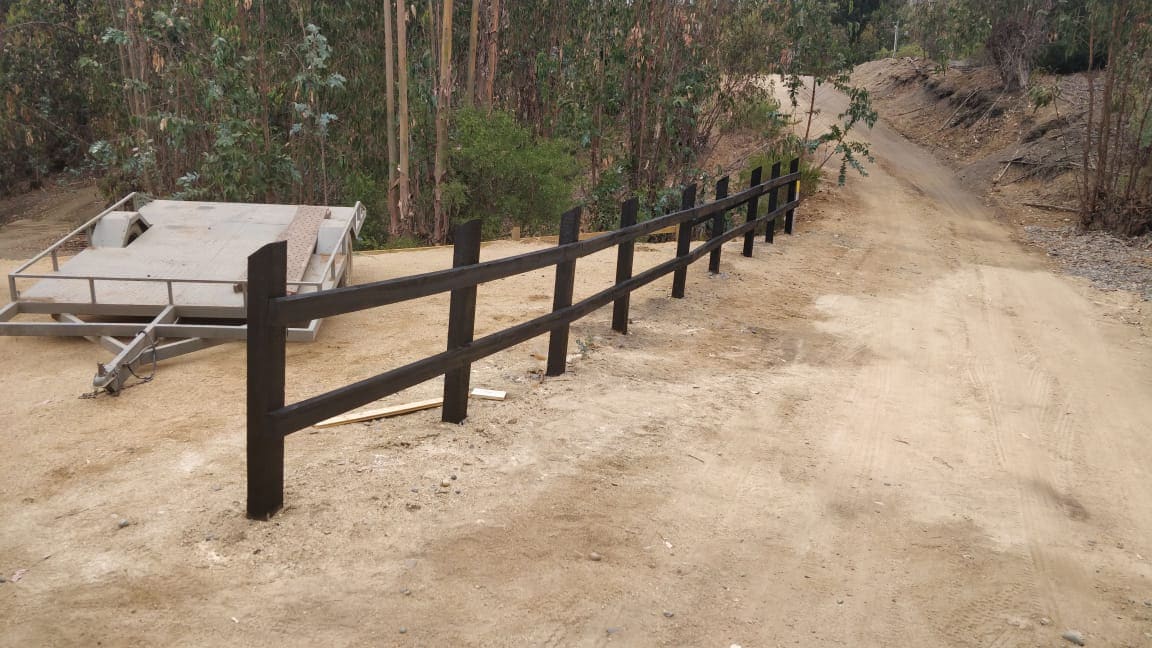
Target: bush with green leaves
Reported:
point(759, 113)
point(504, 176)
point(54, 91)
point(784, 154)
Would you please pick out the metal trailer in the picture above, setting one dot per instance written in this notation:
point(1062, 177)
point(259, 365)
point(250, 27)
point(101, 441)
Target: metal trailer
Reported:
point(154, 279)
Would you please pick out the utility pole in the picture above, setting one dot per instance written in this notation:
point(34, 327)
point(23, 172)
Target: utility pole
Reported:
point(896, 37)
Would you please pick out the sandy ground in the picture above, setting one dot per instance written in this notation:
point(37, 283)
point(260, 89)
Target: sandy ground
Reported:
point(895, 428)
point(32, 221)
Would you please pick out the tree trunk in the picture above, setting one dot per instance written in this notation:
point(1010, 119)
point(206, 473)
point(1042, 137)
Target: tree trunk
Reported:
point(473, 33)
point(1087, 201)
point(443, 106)
point(1103, 162)
point(263, 83)
point(390, 121)
point(811, 115)
point(493, 53)
point(403, 200)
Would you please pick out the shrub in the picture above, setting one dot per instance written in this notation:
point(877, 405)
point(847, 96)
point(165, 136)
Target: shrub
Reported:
point(809, 174)
point(761, 114)
point(504, 176)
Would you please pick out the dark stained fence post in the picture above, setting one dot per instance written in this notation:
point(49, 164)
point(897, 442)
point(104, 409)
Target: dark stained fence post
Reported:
point(718, 226)
point(792, 188)
point(750, 237)
point(683, 242)
point(562, 296)
point(267, 277)
point(461, 323)
point(624, 255)
point(773, 201)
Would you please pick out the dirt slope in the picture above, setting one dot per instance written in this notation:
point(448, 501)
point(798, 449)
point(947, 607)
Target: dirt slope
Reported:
point(896, 428)
point(1023, 158)
point(34, 220)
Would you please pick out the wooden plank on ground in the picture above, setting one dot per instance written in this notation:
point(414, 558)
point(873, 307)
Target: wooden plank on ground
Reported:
point(488, 394)
point(383, 412)
point(301, 237)
point(407, 408)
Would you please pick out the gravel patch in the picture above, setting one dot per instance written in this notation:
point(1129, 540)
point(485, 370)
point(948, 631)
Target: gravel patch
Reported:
point(1108, 261)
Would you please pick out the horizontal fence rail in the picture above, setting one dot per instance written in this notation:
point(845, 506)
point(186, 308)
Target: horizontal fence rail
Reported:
point(271, 311)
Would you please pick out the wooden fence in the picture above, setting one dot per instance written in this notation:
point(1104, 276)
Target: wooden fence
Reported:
point(271, 312)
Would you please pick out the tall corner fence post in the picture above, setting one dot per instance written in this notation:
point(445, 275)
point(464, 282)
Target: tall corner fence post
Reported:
point(625, 253)
point(461, 322)
point(683, 242)
point(267, 280)
point(750, 237)
point(562, 295)
point(793, 188)
point(719, 225)
point(773, 201)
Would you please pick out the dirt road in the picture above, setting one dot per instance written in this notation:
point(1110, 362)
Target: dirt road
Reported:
point(32, 221)
point(896, 428)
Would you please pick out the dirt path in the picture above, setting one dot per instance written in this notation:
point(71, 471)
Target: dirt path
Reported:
point(894, 428)
point(34, 220)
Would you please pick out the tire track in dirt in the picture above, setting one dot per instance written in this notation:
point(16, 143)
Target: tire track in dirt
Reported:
point(1031, 419)
point(1022, 404)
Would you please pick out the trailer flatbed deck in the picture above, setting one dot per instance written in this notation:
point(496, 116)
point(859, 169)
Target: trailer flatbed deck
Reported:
point(175, 264)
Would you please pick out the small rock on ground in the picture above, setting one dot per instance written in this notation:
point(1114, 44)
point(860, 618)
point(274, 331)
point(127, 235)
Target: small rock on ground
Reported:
point(1073, 637)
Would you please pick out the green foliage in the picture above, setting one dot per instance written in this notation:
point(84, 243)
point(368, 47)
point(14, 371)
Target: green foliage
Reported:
point(236, 166)
point(760, 113)
point(374, 195)
point(821, 56)
point(852, 154)
point(312, 80)
point(784, 154)
point(907, 50)
point(1015, 35)
point(214, 99)
point(398, 243)
point(947, 29)
point(505, 176)
point(54, 87)
point(1041, 95)
point(603, 201)
point(663, 201)
point(867, 24)
point(311, 122)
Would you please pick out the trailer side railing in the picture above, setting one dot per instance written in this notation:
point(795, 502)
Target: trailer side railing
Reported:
point(328, 276)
